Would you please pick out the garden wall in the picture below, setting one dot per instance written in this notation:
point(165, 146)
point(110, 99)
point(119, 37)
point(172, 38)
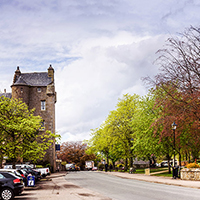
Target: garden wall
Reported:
point(190, 174)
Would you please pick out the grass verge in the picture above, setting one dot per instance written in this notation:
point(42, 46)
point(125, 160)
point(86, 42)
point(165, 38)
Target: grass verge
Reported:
point(165, 174)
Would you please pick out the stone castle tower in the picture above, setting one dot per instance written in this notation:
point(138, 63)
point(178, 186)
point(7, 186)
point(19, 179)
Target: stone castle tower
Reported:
point(37, 90)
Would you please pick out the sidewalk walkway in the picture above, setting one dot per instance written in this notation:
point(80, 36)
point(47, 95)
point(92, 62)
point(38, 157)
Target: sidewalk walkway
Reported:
point(55, 187)
point(156, 179)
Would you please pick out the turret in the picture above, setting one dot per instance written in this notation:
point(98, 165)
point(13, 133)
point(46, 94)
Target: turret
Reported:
point(20, 89)
point(17, 74)
point(51, 73)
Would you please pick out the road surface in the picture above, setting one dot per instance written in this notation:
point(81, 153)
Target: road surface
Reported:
point(118, 188)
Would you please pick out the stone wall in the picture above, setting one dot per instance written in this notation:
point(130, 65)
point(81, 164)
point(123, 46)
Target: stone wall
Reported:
point(190, 174)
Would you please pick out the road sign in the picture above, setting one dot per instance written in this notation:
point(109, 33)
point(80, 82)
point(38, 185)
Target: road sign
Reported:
point(31, 181)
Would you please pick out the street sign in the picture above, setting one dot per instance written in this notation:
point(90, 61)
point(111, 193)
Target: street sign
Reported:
point(31, 181)
point(57, 147)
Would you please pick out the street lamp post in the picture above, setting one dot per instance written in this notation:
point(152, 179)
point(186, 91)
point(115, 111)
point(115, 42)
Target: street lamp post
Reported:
point(174, 128)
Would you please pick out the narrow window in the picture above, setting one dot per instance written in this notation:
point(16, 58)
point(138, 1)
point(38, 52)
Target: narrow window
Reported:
point(21, 90)
point(43, 105)
point(39, 89)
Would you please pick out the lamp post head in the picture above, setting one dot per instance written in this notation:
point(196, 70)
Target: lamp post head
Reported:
point(174, 125)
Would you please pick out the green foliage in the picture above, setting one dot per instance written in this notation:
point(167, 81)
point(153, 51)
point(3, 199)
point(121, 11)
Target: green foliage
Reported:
point(19, 127)
point(39, 166)
point(120, 165)
point(63, 163)
point(101, 166)
point(113, 139)
point(148, 141)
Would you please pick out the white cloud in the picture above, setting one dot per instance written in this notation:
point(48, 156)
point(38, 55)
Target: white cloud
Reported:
point(99, 50)
point(89, 87)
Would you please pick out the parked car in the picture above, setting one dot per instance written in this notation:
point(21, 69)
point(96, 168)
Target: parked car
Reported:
point(17, 172)
point(158, 164)
point(94, 169)
point(10, 185)
point(24, 175)
point(18, 166)
point(33, 173)
point(70, 167)
point(43, 171)
point(77, 168)
point(164, 163)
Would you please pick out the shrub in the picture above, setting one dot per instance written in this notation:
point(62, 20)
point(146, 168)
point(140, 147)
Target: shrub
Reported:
point(120, 165)
point(101, 166)
point(192, 165)
point(39, 166)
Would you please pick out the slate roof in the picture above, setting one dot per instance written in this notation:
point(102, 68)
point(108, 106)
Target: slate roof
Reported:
point(33, 79)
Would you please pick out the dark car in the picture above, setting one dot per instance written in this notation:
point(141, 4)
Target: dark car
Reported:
point(10, 185)
point(17, 172)
point(24, 175)
point(33, 173)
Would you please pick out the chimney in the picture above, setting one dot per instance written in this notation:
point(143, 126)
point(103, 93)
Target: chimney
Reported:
point(51, 73)
point(17, 74)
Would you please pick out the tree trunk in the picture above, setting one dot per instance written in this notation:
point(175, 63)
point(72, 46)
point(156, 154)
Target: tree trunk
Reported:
point(126, 164)
point(169, 167)
point(1, 161)
point(189, 156)
point(186, 156)
point(130, 162)
point(14, 163)
point(107, 158)
point(113, 163)
point(179, 157)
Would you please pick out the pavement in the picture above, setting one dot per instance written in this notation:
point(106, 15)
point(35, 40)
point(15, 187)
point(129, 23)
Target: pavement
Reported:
point(55, 187)
point(157, 179)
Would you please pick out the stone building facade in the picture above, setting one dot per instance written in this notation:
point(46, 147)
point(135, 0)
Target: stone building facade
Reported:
point(37, 90)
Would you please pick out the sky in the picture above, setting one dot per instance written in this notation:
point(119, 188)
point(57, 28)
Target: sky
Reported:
point(99, 49)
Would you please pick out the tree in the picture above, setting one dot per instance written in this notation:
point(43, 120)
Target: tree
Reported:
point(179, 80)
point(113, 138)
point(119, 124)
point(20, 138)
point(145, 142)
point(105, 145)
point(75, 152)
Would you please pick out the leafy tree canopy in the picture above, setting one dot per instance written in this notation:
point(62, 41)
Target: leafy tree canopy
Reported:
point(20, 138)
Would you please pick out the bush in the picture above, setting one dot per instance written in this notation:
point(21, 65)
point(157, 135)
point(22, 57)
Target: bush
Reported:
point(101, 166)
point(120, 165)
point(39, 166)
point(192, 165)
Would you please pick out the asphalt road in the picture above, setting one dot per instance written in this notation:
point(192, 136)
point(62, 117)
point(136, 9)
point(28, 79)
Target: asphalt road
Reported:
point(118, 188)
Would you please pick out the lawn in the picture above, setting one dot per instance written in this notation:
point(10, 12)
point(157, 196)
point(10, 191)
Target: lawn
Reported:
point(140, 171)
point(165, 174)
point(152, 170)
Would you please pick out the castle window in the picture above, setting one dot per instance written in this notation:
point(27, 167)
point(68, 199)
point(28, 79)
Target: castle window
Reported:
point(43, 105)
point(39, 89)
point(21, 90)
